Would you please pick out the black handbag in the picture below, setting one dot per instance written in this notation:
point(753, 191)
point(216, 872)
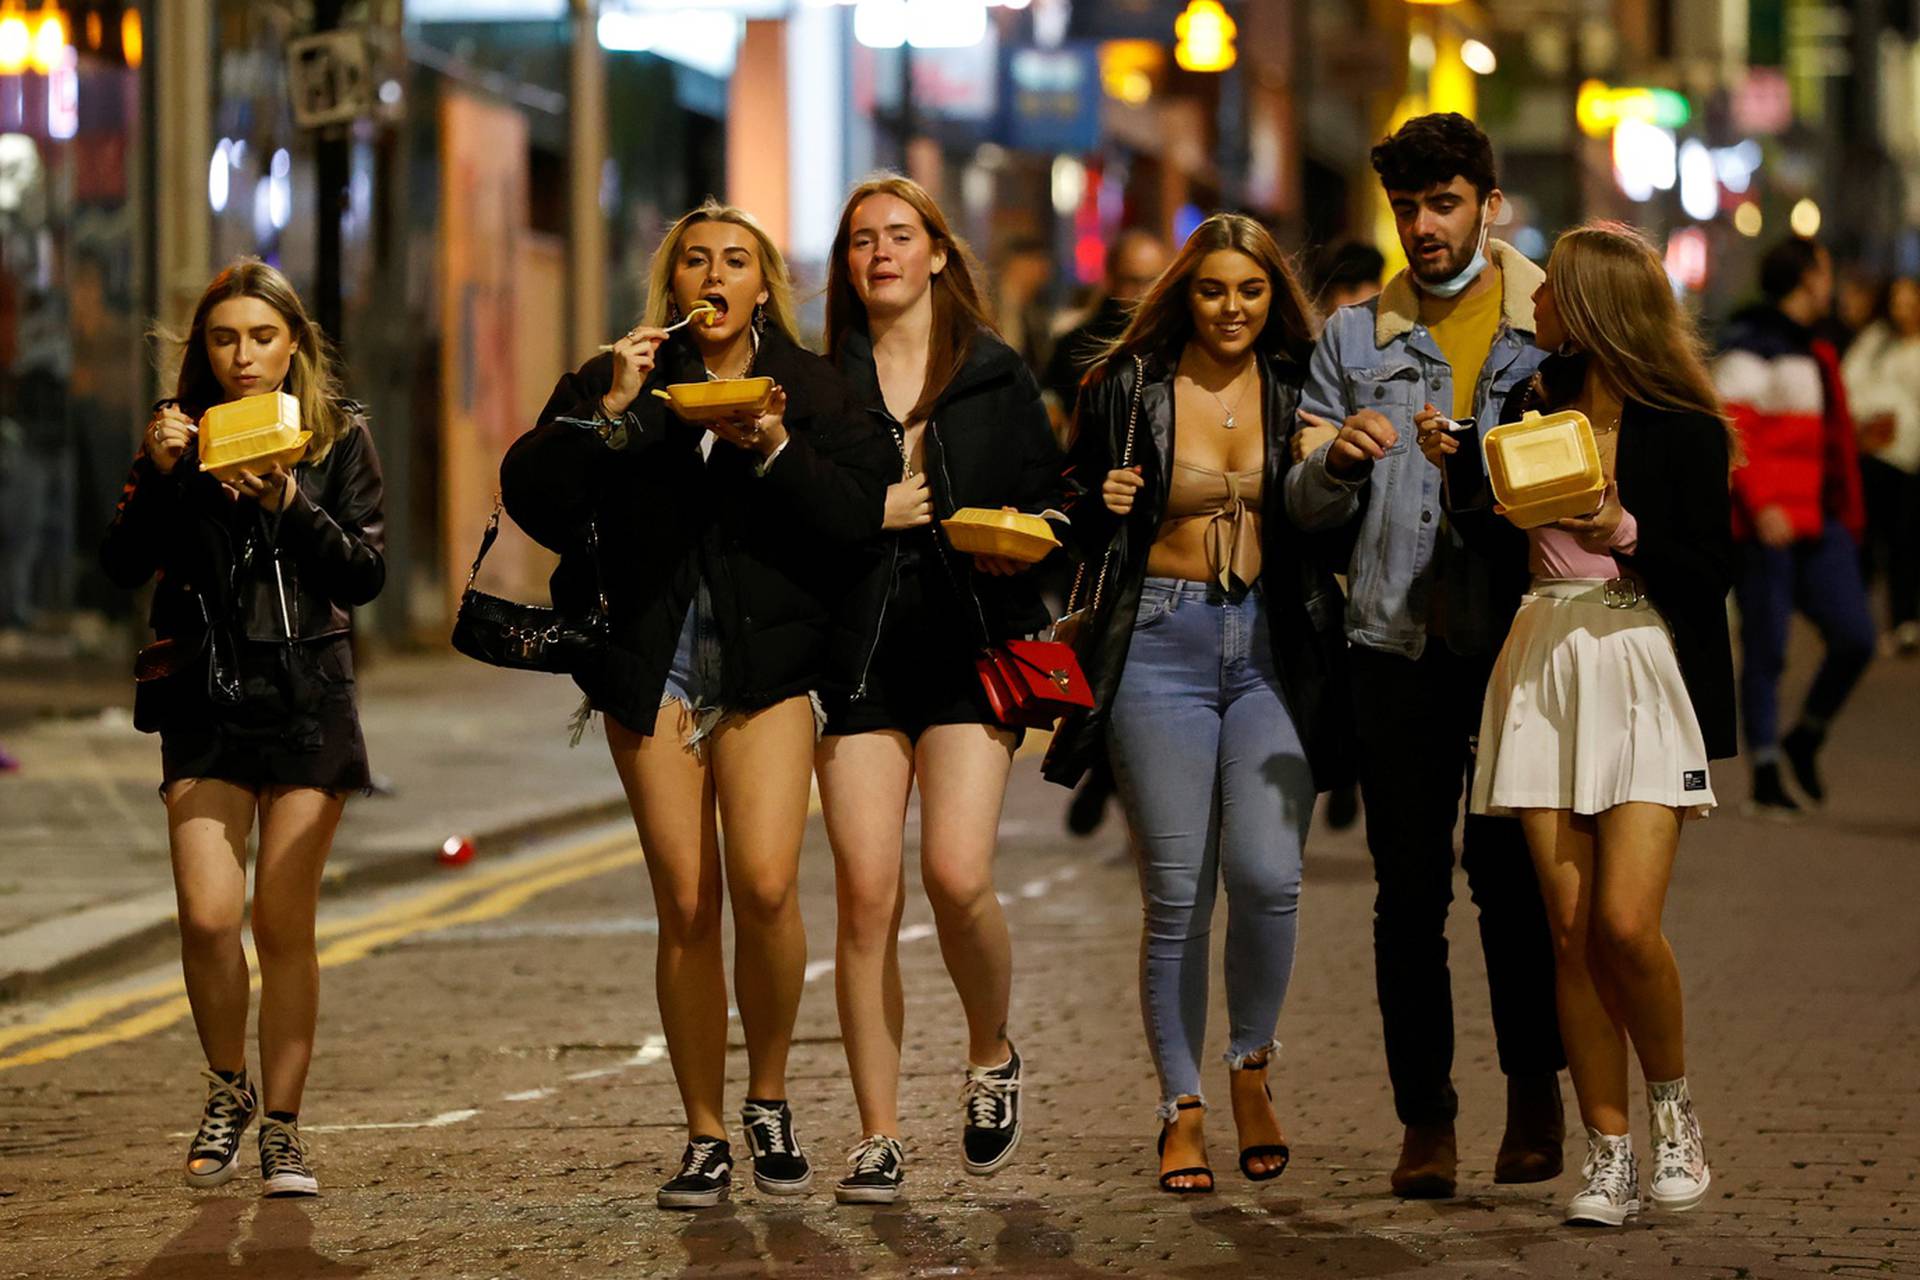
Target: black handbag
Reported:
point(166, 673)
point(530, 637)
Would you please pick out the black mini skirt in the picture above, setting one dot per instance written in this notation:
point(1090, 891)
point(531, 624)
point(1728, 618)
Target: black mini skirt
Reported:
point(296, 724)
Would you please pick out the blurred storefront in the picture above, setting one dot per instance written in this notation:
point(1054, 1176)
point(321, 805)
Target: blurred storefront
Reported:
point(501, 171)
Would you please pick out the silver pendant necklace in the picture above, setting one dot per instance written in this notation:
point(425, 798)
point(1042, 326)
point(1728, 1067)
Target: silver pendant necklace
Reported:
point(1232, 411)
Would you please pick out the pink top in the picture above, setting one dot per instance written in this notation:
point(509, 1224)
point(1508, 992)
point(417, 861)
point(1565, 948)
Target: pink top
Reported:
point(1555, 553)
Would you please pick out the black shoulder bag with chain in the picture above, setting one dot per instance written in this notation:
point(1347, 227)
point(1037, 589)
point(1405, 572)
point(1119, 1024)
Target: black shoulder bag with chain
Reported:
point(530, 637)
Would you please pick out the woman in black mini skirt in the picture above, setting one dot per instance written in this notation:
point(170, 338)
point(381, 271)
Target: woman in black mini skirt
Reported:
point(250, 687)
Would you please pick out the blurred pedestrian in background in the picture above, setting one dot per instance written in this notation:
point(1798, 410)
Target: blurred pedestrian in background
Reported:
point(910, 331)
point(1882, 371)
point(36, 465)
point(1217, 661)
point(1023, 303)
point(1348, 274)
point(1134, 260)
point(716, 546)
point(1797, 516)
point(1614, 689)
point(1426, 615)
point(251, 689)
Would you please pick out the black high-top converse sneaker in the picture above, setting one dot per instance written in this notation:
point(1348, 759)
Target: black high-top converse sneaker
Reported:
point(283, 1160)
point(215, 1151)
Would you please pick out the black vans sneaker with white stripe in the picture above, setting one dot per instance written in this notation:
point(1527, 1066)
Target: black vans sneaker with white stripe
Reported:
point(215, 1152)
point(990, 1101)
point(706, 1174)
point(879, 1166)
point(780, 1168)
point(283, 1160)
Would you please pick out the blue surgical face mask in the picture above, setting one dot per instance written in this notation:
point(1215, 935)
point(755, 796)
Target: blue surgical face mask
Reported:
point(1453, 286)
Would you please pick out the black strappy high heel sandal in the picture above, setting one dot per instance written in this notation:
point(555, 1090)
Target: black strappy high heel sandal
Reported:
point(1195, 1171)
point(1267, 1150)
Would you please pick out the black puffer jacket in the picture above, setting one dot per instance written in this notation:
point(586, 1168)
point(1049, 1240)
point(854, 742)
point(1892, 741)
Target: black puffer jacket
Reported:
point(1305, 610)
point(988, 444)
point(328, 541)
point(770, 548)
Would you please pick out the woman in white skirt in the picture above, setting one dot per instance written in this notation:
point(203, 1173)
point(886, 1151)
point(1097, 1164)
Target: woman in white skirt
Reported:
point(1614, 689)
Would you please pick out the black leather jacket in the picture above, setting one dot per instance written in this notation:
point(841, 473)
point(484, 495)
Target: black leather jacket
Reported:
point(327, 545)
point(1305, 608)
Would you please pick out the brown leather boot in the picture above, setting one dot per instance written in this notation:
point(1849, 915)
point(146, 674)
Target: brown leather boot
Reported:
point(1427, 1163)
point(1531, 1148)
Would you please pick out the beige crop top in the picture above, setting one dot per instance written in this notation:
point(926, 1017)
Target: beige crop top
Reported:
point(1230, 500)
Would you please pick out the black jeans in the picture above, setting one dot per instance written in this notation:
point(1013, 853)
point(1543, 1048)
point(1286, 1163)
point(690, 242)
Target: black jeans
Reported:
point(1416, 720)
point(1893, 536)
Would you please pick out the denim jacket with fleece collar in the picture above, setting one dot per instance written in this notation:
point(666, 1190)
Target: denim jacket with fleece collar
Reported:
point(1378, 355)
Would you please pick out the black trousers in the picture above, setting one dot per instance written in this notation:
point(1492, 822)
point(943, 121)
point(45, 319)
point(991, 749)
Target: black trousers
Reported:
point(1893, 536)
point(1416, 721)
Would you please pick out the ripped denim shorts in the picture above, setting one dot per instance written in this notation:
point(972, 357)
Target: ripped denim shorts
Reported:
point(693, 677)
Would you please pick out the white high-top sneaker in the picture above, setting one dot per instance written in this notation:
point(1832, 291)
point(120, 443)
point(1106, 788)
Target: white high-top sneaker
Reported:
point(1680, 1173)
point(1612, 1193)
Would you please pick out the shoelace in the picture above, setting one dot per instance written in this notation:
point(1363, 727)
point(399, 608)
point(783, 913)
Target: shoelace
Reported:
point(987, 1100)
point(282, 1149)
point(1609, 1170)
point(769, 1129)
point(1672, 1139)
point(695, 1165)
point(874, 1153)
point(227, 1106)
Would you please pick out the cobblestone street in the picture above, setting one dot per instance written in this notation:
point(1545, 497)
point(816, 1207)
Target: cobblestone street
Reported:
point(490, 1096)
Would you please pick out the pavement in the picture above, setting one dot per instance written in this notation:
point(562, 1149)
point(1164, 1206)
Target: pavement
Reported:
point(490, 1095)
point(84, 873)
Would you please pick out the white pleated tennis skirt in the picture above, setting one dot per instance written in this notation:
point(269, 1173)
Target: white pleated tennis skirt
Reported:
point(1586, 710)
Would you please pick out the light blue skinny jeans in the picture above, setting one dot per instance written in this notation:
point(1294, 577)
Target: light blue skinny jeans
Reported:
point(1216, 787)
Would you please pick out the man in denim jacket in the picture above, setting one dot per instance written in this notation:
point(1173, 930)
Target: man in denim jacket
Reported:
point(1426, 618)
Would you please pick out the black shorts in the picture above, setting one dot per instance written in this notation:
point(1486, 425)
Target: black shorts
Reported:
point(275, 737)
point(921, 673)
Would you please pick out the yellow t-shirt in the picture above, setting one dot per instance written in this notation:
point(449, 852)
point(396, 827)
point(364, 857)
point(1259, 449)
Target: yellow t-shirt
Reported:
point(1463, 329)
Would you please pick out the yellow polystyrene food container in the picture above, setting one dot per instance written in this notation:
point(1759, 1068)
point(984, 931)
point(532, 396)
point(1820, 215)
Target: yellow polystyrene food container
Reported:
point(253, 434)
point(980, 531)
point(726, 398)
point(1545, 468)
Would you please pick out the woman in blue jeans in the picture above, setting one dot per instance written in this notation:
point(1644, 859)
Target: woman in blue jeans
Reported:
point(1214, 651)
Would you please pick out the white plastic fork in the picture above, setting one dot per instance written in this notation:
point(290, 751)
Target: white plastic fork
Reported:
point(700, 309)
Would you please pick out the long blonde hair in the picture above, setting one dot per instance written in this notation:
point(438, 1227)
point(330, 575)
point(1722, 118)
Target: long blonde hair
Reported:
point(958, 312)
point(312, 373)
point(773, 267)
point(1163, 320)
point(1615, 302)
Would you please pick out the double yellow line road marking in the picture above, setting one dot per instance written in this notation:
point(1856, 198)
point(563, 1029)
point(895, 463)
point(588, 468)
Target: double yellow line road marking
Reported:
point(81, 1024)
point(76, 1026)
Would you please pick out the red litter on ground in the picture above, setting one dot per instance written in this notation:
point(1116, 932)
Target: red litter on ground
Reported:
point(456, 852)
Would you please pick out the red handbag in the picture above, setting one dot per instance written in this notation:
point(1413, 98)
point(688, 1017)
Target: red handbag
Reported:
point(1032, 683)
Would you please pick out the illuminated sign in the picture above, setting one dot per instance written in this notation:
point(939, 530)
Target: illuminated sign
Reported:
point(1601, 107)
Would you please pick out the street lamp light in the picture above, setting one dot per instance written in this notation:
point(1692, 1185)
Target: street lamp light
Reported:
point(1206, 36)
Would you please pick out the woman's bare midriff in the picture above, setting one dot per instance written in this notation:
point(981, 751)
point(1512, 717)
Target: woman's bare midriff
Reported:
point(1181, 550)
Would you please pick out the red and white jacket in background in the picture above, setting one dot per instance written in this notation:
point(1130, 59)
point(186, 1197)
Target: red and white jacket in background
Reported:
point(1783, 388)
